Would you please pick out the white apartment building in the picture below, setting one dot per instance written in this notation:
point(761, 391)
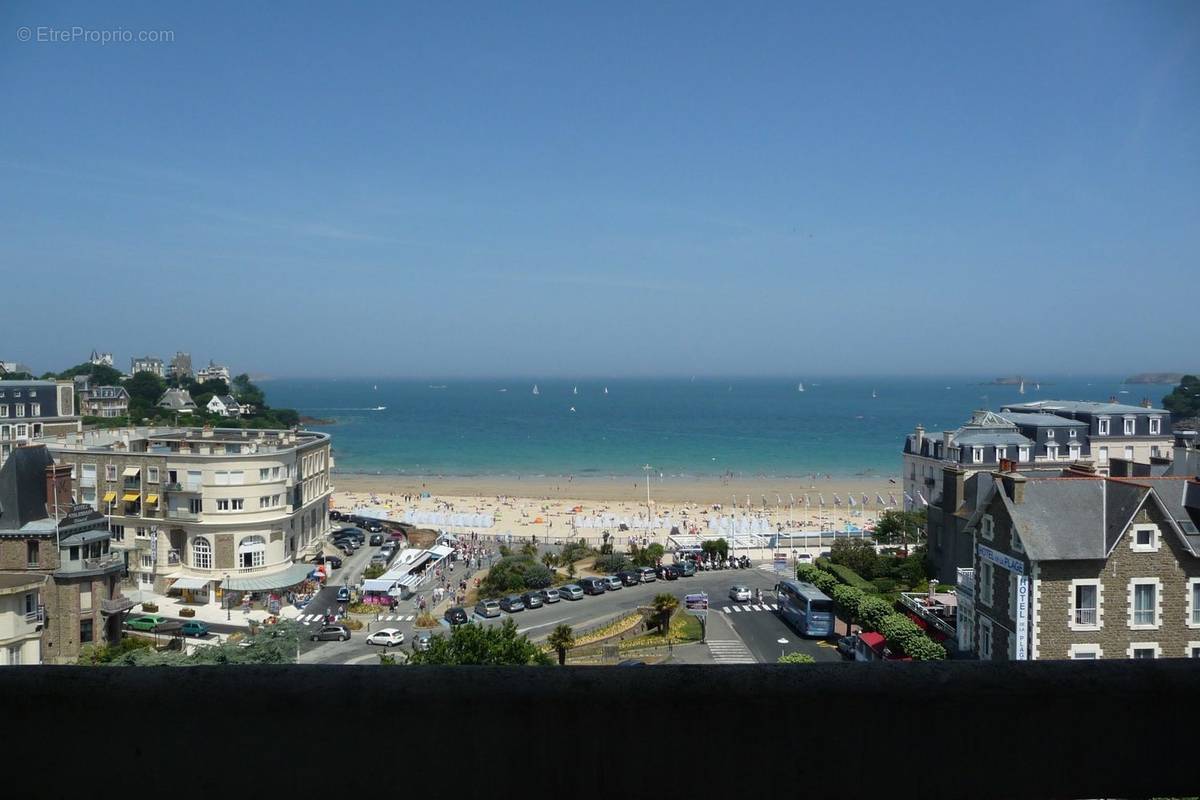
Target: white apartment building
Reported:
point(198, 510)
point(22, 615)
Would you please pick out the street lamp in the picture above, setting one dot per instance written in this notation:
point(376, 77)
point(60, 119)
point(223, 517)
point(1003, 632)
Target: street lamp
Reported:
point(228, 599)
point(782, 644)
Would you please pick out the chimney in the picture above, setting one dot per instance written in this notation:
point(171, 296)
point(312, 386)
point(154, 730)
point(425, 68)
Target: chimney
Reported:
point(1112, 398)
point(946, 438)
point(1081, 469)
point(919, 435)
point(952, 488)
point(1014, 486)
point(1146, 403)
point(58, 490)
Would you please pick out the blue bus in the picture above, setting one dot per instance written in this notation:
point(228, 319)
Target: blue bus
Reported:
point(806, 608)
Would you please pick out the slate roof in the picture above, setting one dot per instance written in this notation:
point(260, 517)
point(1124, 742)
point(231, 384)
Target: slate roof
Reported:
point(1079, 407)
point(1043, 420)
point(990, 438)
point(176, 398)
point(23, 487)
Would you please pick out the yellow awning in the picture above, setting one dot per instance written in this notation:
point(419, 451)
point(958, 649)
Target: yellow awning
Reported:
point(151, 499)
point(131, 497)
point(131, 472)
point(110, 497)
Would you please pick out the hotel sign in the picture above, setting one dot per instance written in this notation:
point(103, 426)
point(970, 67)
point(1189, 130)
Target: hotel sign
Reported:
point(1022, 649)
point(1002, 559)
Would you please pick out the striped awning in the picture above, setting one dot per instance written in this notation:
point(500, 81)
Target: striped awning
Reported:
point(151, 499)
point(131, 497)
point(110, 497)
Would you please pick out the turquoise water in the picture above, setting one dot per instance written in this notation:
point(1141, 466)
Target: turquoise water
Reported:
point(701, 428)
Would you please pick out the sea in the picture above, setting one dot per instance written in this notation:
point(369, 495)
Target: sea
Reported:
point(681, 427)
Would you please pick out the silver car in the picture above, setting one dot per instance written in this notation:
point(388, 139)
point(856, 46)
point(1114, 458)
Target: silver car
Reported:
point(550, 596)
point(739, 594)
point(570, 592)
point(612, 582)
point(487, 608)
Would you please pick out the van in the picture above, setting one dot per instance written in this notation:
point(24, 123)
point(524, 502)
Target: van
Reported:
point(647, 574)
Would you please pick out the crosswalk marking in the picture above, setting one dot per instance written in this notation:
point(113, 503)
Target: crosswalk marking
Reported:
point(757, 608)
point(749, 608)
point(737, 608)
point(725, 609)
point(774, 607)
point(730, 651)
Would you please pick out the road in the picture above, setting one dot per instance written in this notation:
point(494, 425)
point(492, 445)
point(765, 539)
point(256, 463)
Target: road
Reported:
point(737, 632)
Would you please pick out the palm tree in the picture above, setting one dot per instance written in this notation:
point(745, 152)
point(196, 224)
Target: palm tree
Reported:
point(549, 560)
point(664, 607)
point(561, 639)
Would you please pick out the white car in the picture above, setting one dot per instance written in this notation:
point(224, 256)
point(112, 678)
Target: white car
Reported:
point(739, 594)
point(386, 637)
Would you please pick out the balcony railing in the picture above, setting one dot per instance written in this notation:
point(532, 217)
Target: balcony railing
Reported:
point(116, 605)
point(173, 558)
point(36, 617)
point(110, 559)
point(172, 487)
point(1085, 616)
point(182, 513)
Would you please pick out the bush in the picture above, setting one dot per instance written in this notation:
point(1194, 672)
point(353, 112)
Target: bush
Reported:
point(537, 576)
point(851, 578)
point(187, 612)
point(898, 629)
point(884, 585)
point(351, 623)
point(872, 611)
point(857, 554)
point(797, 658)
point(611, 563)
point(506, 576)
point(849, 601)
point(574, 551)
point(149, 608)
point(425, 620)
point(924, 649)
point(374, 571)
point(806, 573)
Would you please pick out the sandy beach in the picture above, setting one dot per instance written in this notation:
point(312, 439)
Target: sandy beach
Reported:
point(546, 506)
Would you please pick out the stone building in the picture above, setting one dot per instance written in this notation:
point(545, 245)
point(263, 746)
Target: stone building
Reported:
point(1084, 566)
point(31, 411)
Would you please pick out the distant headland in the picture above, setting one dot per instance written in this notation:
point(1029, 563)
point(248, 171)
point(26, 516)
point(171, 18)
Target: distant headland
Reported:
point(1156, 377)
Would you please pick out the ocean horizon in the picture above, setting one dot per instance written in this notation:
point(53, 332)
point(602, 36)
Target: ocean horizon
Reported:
point(704, 428)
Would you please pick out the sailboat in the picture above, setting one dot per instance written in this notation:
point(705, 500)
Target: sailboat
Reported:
point(800, 386)
point(1021, 388)
point(376, 387)
point(874, 394)
point(606, 390)
point(1037, 387)
point(535, 389)
point(575, 390)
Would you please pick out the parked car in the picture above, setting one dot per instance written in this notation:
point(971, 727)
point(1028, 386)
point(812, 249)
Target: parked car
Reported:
point(193, 628)
point(422, 640)
point(512, 604)
point(374, 527)
point(570, 592)
point(456, 616)
point(335, 515)
point(804, 558)
point(332, 561)
point(346, 546)
point(487, 608)
point(647, 574)
point(739, 594)
point(685, 568)
point(612, 583)
point(593, 585)
point(629, 577)
point(343, 594)
point(145, 622)
point(354, 533)
point(376, 539)
point(532, 600)
point(331, 633)
point(379, 558)
point(550, 596)
point(666, 572)
point(387, 637)
point(847, 645)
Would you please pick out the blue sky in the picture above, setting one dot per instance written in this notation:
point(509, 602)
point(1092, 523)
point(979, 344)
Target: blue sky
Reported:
point(577, 189)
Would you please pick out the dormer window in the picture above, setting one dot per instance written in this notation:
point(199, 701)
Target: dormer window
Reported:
point(977, 455)
point(1050, 433)
point(1052, 451)
point(1155, 426)
point(1071, 434)
point(1103, 426)
point(1001, 452)
point(1023, 454)
point(1130, 425)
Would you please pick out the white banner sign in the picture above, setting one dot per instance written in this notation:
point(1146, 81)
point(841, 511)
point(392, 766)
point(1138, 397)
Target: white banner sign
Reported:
point(1002, 560)
point(1022, 614)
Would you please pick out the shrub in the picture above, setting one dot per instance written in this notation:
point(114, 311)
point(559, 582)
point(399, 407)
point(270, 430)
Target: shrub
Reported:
point(924, 649)
point(898, 629)
point(857, 554)
point(374, 571)
point(506, 576)
point(872, 611)
point(364, 608)
point(806, 573)
point(187, 612)
point(849, 601)
point(538, 577)
point(574, 551)
point(884, 585)
point(797, 658)
point(851, 578)
point(611, 563)
point(425, 620)
point(351, 623)
point(824, 581)
point(149, 608)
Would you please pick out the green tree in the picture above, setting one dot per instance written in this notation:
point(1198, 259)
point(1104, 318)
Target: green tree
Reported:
point(473, 644)
point(903, 527)
point(562, 639)
point(529, 550)
point(145, 387)
point(1184, 399)
point(715, 548)
point(100, 374)
point(571, 571)
point(872, 611)
point(857, 554)
point(212, 386)
point(796, 658)
point(537, 576)
point(374, 571)
point(246, 392)
point(549, 560)
point(849, 601)
point(664, 606)
point(924, 649)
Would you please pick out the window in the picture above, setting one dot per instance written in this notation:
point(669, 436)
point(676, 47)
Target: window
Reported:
point(1155, 426)
point(1052, 451)
point(4, 410)
point(195, 504)
point(31, 554)
point(147, 562)
point(117, 531)
point(985, 639)
point(193, 480)
point(1130, 426)
point(110, 472)
point(264, 474)
point(152, 474)
point(1102, 426)
point(1144, 538)
point(1016, 543)
point(1050, 433)
point(1128, 453)
point(236, 503)
point(222, 505)
point(85, 631)
point(20, 409)
point(1143, 611)
point(35, 409)
point(1084, 651)
point(1103, 455)
point(85, 597)
point(986, 573)
point(1144, 650)
point(987, 527)
point(264, 501)
point(1193, 650)
point(20, 430)
point(201, 554)
point(221, 478)
point(237, 478)
point(1071, 433)
point(274, 473)
point(977, 455)
point(1085, 610)
point(252, 552)
point(1023, 453)
point(1193, 603)
point(1001, 452)
point(87, 475)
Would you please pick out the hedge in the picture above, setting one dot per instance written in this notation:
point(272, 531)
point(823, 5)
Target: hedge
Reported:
point(851, 578)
